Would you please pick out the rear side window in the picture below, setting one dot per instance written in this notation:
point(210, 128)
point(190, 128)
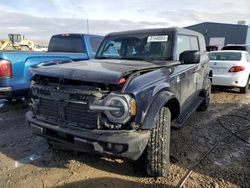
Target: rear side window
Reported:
point(95, 43)
point(248, 57)
point(224, 56)
point(186, 43)
point(73, 44)
point(242, 48)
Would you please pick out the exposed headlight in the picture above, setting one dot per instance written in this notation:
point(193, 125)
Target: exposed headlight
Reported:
point(118, 108)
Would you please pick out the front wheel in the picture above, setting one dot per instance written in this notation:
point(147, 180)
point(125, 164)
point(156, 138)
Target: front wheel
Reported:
point(245, 89)
point(158, 148)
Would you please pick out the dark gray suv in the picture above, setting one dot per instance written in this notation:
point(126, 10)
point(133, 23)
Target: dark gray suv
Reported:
point(124, 102)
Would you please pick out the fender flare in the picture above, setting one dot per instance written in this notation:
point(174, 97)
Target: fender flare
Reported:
point(159, 101)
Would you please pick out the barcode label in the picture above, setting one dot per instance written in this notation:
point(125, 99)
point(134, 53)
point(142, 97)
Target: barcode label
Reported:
point(159, 38)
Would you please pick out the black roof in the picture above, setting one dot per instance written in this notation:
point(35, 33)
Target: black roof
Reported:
point(156, 31)
point(76, 34)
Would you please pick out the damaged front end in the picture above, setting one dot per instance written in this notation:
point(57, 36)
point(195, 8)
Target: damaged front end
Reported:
point(81, 116)
point(91, 107)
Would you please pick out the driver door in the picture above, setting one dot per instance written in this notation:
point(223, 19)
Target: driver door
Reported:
point(188, 76)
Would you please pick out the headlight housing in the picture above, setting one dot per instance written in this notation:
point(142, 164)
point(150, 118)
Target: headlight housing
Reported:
point(118, 108)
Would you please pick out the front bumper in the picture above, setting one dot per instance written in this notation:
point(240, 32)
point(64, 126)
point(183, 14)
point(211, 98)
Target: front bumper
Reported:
point(5, 92)
point(120, 143)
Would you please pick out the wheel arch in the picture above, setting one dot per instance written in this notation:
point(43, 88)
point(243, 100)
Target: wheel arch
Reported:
point(174, 107)
point(163, 98)
point(210, 75)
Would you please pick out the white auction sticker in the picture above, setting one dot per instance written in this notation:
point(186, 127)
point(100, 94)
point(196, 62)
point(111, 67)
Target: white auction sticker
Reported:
point(159, 38)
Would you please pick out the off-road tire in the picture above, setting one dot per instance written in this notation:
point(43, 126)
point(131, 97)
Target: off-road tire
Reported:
point(24, 48)
point(207, 95)
point(9, 48)
point(158, 148)
point(245, 89)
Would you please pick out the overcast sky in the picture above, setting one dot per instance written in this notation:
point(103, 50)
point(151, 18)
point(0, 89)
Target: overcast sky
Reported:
point(40, 19)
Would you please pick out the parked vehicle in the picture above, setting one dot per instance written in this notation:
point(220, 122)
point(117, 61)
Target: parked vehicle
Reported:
point(124, 102)
point(241, 47)
point(40, 48)
point(14, 66)
point(230, 68)
point(212, 48)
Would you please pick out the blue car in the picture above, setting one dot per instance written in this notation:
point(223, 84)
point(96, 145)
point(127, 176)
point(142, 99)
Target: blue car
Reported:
point(15, 78)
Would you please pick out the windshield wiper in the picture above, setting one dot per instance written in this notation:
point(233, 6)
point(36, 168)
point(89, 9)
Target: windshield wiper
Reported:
point(132, 58)
point(150, 60)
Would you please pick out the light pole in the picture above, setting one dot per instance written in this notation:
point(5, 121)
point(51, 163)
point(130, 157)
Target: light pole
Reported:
point(87, 26)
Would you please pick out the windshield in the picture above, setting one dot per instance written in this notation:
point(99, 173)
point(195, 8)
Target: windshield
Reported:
point(225, 56)
point(136, 47)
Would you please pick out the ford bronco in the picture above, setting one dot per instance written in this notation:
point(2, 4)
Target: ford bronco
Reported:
point(124, 102)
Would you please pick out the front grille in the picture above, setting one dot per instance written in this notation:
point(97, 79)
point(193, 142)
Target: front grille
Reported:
point(67, 113)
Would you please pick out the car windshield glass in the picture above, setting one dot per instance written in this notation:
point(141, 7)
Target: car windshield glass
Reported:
point(137, 47)
point(66, 43)
point(225, 56)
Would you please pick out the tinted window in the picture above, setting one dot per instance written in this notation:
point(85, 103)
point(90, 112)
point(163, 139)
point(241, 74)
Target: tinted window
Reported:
point(225, 56)
point(137, 47)
point(95, 43)
point(69, 43)
point(242, 48)
point(185, 43)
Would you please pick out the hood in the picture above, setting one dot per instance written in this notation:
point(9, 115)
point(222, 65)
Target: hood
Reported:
point(98, 71)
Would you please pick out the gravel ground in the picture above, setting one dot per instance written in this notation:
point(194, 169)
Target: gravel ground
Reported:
point(214, 144)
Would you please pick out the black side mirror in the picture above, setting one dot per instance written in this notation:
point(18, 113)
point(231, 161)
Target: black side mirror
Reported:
point(190, 57)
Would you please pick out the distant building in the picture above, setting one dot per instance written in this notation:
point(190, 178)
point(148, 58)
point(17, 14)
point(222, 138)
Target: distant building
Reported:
point(220, 34)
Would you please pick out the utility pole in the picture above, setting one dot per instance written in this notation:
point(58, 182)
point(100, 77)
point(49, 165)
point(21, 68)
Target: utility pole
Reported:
point(87, 26)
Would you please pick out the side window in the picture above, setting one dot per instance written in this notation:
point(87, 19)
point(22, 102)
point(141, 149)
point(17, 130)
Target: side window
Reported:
point(248, 57)
point(185, 42)
point(113, 48)
point(95, 43)
point(194, 43)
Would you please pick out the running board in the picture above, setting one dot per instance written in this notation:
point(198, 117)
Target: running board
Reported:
point(188, 111)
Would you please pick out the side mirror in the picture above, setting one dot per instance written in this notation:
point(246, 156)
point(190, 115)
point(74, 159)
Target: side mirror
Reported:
point(190, 57)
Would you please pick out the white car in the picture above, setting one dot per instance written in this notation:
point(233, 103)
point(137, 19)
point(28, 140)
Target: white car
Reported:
point(230, 68)
point(39, 48)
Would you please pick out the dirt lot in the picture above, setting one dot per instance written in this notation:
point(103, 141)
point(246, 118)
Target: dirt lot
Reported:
point(207, 136)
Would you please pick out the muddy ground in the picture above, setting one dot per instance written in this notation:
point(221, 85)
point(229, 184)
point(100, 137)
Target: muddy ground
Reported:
point(227, 164)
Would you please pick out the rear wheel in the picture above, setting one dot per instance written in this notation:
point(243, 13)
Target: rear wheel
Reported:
point(24, 48)
point(245, 89)
point(158, 149)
